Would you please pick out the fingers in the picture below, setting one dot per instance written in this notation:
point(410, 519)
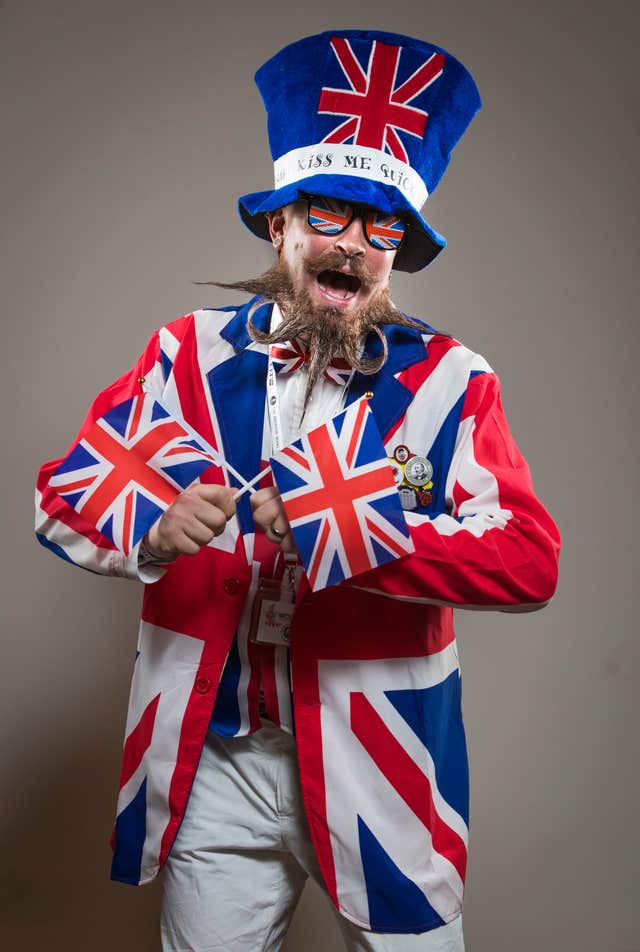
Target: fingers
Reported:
point(288, 544)
point(263, 495)
point(220, 496)
point(270, 517)
point(201, 512)
point(268, 510)
point(195, 517)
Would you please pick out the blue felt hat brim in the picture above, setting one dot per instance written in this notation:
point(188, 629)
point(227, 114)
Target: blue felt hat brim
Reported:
point(421, 243)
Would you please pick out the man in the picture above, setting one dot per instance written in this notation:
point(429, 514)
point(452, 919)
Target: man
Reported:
point(323, 729)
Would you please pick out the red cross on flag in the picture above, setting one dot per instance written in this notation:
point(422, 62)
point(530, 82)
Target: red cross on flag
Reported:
point(377, 109)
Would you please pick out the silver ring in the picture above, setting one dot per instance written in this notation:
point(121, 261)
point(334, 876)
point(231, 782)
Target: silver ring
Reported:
point(279, 535)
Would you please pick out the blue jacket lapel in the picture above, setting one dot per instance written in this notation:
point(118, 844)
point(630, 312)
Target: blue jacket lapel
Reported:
point(390, 397)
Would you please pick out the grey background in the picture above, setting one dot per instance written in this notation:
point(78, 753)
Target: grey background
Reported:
point(129, 129)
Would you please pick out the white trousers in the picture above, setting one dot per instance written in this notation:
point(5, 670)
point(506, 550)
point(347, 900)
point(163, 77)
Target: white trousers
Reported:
point(242, 855)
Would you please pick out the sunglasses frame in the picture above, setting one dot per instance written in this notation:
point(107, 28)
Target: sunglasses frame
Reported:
point(359, 211)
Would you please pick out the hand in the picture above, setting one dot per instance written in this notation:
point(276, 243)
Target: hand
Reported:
point(270, 517)
point(192, 520)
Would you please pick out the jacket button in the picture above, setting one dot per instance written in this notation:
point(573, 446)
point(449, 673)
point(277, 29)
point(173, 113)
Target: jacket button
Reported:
point(202, 685)
point(231, 585)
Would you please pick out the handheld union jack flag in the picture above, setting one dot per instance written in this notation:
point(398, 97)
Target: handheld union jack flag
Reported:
point(128, 468)
point(340, 497)
point(376, 108)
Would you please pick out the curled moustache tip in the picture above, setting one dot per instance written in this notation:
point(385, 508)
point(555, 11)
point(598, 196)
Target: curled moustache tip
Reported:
point(260, 337)
point(373, 364)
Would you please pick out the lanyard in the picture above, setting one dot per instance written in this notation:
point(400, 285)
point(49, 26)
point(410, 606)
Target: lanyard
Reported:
point(292, 568)
point(273, 405)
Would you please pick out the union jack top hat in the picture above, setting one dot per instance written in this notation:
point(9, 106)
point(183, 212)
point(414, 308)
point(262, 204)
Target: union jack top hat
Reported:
point(365, 116)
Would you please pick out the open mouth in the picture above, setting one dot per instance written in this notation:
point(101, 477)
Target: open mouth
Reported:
point(338, 285)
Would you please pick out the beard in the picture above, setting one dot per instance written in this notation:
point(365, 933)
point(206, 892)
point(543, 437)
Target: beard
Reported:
point(326, 331)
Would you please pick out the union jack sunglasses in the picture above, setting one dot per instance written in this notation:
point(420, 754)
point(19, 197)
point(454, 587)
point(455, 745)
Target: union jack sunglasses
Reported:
point(331, 216)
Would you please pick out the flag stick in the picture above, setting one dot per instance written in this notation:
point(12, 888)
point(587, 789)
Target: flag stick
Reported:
point(251, 484)
point(218, 457)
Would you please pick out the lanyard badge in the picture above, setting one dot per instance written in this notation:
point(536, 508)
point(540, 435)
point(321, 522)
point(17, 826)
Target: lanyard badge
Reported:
point(273, 604)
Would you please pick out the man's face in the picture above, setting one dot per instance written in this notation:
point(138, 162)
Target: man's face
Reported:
point(332, 290)
point(339, 288)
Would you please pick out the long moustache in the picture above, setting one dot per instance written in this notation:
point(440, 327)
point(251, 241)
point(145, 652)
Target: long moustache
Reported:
point(275, 285)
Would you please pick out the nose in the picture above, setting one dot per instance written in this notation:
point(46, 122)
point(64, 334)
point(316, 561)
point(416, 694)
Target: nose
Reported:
point(351, 241)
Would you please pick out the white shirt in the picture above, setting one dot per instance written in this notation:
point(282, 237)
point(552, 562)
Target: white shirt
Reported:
point(326, 400)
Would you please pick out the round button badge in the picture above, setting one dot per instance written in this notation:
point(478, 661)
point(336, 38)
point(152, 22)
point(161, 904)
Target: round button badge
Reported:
point(418, 471)
point(401, 453)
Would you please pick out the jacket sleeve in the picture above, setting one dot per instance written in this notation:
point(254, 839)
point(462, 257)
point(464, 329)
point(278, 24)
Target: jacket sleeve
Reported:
point(64, 531)
point(495, 546)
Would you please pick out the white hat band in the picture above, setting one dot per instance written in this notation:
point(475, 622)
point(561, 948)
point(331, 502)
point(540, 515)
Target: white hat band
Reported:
point(352, 160)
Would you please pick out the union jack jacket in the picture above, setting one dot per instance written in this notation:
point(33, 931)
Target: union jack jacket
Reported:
point(374, 665)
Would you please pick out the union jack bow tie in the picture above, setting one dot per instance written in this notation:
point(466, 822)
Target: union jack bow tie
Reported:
point(291, 355)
